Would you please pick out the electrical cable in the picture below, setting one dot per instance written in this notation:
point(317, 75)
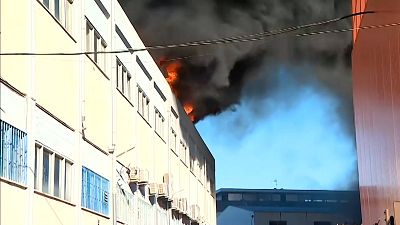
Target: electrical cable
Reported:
point(349, 29)
point(234, 39)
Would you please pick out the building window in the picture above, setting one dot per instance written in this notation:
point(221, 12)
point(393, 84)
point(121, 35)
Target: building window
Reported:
point(234, 197)
point(67, 181)
point(183, 152)
point(57, 175)
point(96, 45)
point(13, 153)
point(123, 80)
point(322, 223)
point(172, 140)
point(250, 197)
point(192, 155)
point(159, 122)
point(292, 198)
point(46, 172)
point(95, 191)
point(68, 15)
point(281, 222)
point(276, 197)
point(53, 173)
point(143, 104)
point(61, 10)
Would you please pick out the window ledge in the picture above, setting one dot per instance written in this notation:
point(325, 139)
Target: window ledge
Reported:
point(12, 87)
point(143, 118)
point(126, 98)
point(13, 183)
point(53, 197)
point(95, 146)
point(160, 137)
point(57, 21)
point(98, 67)
point(175, 153)
point(54, 117)
point(94, 212)
point(183, 162)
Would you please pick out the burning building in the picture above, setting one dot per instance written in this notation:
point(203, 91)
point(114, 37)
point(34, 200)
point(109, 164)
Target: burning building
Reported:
point(376, 90)
point(96, 137)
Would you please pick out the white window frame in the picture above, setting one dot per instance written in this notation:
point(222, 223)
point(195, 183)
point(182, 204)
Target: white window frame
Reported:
point(65, 8)
point(183, 152)
point(172, 141)
point(95, 43)
point(159, 123)
point(65, 193)
point(143, 104)
point(123, 80)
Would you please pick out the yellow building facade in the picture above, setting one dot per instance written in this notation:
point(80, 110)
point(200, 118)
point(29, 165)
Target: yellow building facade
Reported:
point(94, 138)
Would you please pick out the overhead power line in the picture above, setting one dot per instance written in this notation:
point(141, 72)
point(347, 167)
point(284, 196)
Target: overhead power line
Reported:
point(226, 40)
point(349, 29)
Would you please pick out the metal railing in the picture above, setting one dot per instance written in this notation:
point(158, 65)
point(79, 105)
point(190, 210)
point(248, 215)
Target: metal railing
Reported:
point(13, 153)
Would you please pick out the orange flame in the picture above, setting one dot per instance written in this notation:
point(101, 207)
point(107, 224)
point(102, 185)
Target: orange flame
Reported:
point(189, 111)
point(172, 72)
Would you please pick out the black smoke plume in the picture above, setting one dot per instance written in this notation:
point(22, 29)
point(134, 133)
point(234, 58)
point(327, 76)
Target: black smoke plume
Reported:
point(222, 75)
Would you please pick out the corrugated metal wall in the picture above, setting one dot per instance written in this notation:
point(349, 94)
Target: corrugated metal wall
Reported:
point(376, 82)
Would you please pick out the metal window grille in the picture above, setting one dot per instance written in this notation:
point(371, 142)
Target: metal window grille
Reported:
point(13, 153)
point(161, 217)
point(95, 191)
point(125, 206)
point(145, 212)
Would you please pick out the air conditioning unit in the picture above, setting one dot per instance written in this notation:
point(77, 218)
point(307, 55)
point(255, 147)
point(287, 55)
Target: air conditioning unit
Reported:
point(162, 190)
point(166, 178)
point(153, 189)
point(143, 176)
point(168, 181)
point(134, 175)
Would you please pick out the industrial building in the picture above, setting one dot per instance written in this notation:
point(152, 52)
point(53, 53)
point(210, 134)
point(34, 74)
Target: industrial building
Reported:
point(376, 92)
point(287, 207)
point(95, 138)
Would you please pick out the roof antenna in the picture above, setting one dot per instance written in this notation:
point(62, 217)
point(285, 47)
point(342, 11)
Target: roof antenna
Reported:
point(276, 183)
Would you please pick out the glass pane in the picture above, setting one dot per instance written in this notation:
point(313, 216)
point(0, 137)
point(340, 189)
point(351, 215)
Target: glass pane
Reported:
point(250, 197)
point(291, 198)
point(276, 197)
point(45, 178)
point(89, 37)
point(118, 69)
point(57, 9)
point(67, 181)
point(46, 3)
point(123, 80)
point(96, 40)
point(234, 197)
point(68, 15)
point(37, 148)
point(57, 171)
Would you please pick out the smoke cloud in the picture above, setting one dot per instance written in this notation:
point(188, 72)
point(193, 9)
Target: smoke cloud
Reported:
point(223, 75)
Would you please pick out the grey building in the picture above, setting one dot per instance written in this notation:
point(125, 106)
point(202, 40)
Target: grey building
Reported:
point(287, 207)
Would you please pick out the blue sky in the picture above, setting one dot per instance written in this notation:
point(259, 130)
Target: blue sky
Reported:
point(292, 135)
